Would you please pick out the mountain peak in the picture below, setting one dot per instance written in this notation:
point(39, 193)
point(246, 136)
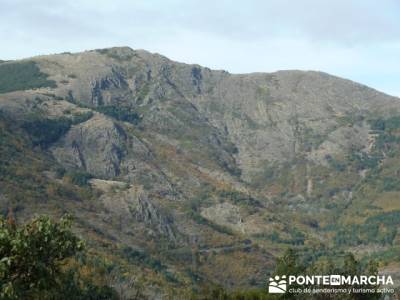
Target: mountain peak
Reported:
point(218, 168)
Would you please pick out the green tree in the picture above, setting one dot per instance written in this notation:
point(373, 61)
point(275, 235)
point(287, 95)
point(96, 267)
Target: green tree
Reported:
point(289, 264)
point(32, 259)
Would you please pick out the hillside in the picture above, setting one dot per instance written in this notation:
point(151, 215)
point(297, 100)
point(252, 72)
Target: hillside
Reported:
point(186, 176)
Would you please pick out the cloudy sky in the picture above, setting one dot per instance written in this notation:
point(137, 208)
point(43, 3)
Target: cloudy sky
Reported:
point(355, 39)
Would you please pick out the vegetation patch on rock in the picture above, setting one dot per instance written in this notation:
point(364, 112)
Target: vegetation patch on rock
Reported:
point(18, 76)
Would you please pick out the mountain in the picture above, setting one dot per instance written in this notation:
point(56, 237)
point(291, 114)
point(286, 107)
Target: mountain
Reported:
point(187, 176)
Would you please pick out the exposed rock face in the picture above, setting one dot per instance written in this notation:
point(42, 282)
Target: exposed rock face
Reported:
point(134, 208)
point(96, 146)
point(224, 214)
point(144, 211)
point(242, 119)
point(272, 117)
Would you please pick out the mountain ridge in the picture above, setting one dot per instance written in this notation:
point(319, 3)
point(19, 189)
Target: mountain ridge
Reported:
point(129, 49)
point(225, 169)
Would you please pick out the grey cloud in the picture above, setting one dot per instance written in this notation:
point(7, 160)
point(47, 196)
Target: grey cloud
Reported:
point(339, 21)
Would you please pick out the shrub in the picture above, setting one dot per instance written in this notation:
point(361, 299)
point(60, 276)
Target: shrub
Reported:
point(82, 117)
point(22, 76)
point(240, 198)
point(39, 260)
point(32, 255)
point(386, 125)
point(120, 113)
point(378, 229)
point(199, 219)
point(391, 184)
point(80, 178)
point(44, 132)
point(335, 164)
point(141, 257)
point(389, 218)
point(362, 160)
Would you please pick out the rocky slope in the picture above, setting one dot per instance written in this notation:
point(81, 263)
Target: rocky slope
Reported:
point(211, 173)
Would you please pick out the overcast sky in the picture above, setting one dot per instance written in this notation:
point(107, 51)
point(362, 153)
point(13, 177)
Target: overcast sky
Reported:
point(355, 39)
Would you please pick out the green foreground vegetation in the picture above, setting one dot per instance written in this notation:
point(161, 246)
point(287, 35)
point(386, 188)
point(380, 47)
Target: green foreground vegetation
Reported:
point(37, 262)
point(43, 259)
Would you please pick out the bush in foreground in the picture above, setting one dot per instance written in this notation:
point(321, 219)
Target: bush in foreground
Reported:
point(33, 259)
